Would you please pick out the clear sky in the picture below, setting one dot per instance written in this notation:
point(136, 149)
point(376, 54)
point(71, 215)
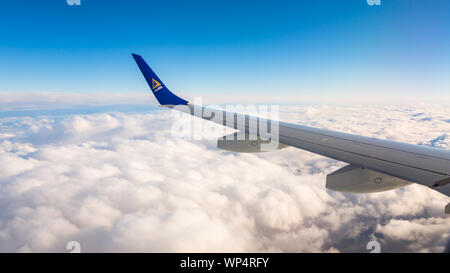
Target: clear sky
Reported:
point(282, 48)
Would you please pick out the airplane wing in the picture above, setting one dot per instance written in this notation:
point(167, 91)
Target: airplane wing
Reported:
point(374, 164)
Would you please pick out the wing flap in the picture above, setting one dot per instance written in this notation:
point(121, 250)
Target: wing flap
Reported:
point(356, 179)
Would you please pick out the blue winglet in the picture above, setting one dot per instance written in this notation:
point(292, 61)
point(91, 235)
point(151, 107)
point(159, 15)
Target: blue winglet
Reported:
point(161, 92)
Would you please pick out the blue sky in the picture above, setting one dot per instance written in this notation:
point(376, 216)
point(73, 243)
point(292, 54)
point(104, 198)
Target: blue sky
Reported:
point(290, 48)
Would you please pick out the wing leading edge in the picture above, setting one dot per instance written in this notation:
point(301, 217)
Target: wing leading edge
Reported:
point(410, 163)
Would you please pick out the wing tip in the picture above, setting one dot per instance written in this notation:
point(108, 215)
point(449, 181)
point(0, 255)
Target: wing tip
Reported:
point(159, 90)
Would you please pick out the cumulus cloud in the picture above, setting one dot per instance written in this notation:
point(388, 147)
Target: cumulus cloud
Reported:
point(122, 182)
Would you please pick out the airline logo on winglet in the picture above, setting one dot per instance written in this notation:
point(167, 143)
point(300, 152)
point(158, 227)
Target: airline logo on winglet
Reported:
point(156, 86)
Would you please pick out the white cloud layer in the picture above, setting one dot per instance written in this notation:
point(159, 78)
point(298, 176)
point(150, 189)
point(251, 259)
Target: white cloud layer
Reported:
point(121, 182)
point(53, 100)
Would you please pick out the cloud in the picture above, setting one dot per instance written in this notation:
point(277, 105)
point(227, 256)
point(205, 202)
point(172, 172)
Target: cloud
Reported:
point(121, 182)
point(52, 100)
